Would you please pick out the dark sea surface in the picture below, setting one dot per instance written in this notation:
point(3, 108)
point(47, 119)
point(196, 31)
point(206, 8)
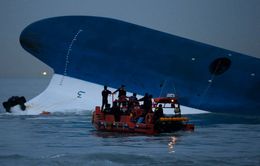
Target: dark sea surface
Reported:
point(70, 139)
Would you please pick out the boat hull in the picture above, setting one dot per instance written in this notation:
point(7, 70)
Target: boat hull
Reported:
point(127, 124)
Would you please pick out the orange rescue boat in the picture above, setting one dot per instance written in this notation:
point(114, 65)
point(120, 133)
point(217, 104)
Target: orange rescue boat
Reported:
point(131, 118)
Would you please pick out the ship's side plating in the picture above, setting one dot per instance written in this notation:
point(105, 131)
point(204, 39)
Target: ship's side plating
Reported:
point(113, 52)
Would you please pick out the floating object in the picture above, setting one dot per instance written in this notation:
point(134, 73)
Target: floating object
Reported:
point(13, 101)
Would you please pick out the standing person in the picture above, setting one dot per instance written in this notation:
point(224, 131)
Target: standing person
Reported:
point(145, 100)
point(158, 113)
point(133, 101)
point(122, 101)
point(156, 117)
point(116, 111)
point(150, 103)
point(146, 104)
point(105, 94)
point(121, 92)
point(177, 109)
point(133, 98)
point(121, 95)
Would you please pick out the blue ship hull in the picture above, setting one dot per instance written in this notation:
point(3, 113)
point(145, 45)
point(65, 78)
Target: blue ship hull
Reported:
point(112, 52)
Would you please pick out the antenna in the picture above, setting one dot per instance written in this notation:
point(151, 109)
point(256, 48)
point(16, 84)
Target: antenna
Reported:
point(163, 84)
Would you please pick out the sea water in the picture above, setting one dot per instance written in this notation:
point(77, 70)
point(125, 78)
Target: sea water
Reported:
point(70, 139)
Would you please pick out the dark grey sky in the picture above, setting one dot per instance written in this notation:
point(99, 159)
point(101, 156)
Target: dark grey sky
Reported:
point(230, 24)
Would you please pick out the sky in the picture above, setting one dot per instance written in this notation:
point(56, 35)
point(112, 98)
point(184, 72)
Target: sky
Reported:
point(229, 24)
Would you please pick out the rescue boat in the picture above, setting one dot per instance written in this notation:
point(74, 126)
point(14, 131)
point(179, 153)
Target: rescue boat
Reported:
point(131, 118)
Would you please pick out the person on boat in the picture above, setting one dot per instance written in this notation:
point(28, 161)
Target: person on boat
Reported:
point(133, 101)
point(105, 94)
point(147, 103)
point(121, 92)
point(158, 113)
point(150, 103)
point(116, 110)
point(146, 106)
point(177, 109)
point(122, 98)
point(133, 98)
point(145, 100)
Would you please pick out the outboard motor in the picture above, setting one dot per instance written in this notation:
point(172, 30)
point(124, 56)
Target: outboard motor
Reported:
point(13, 101)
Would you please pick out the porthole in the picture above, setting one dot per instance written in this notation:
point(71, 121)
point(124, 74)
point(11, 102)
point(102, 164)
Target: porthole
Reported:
point(219, 66)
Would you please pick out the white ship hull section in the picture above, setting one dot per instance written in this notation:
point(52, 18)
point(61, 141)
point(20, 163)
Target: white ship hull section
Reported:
point(67, 94)
point(64, 94)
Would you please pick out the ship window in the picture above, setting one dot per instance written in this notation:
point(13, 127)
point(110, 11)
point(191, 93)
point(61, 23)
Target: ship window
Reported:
point(219, 66)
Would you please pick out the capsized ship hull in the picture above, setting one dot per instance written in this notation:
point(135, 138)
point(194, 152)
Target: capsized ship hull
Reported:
point(113, 52)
